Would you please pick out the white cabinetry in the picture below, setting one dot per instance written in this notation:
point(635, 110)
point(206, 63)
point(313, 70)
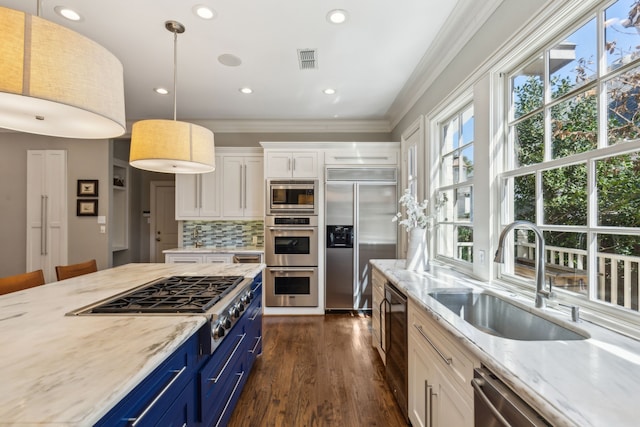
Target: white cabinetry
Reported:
point(377, 313)
point(46, 211)
point(198, 195)
point(243, 187)
point(303, 164)
point(440, 374)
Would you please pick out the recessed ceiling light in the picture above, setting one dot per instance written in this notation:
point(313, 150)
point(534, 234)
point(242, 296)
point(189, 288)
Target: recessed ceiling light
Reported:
point(204, 12)
point(246, 90)
point(329, 91)
point(337, 16)
point(67, 13)
point(161, 90)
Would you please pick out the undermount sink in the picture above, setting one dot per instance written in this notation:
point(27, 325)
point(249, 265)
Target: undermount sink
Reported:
point(496, 316)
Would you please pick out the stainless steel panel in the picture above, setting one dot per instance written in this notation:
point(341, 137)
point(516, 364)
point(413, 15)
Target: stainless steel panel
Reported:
point(376, 235)
point(339, 279)
point(299, 235)
point(496, 405)
point(339, 204)
point(291, 286)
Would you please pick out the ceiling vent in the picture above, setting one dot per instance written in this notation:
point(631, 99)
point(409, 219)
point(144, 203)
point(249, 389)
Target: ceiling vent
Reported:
point(308, 59)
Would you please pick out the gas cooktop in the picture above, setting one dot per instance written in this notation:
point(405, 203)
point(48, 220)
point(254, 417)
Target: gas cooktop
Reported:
point(175, 294)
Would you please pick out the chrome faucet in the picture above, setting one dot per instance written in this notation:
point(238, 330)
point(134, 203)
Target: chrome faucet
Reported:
point(196, 236)
point(541, 292)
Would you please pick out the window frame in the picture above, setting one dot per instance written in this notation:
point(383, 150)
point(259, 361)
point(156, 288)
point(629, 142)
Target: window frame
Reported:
point(454, 108)
point(608, 314)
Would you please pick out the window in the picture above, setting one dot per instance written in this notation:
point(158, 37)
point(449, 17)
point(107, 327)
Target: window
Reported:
point(572, 160)
point(455, 189)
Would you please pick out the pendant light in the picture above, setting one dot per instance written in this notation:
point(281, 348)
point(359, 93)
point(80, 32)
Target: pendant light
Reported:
point(56, 82)
point(171, 146)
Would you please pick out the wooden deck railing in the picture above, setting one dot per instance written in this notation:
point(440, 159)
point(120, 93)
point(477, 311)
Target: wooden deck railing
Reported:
point(618, 281)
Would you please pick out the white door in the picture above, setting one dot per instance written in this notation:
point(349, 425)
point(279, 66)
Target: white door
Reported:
point(46, 211)
point(164, 227)
point(254, 187)
point(233, 186)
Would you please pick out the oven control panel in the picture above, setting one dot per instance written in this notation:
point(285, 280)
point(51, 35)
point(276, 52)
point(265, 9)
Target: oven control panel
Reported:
point(230, 315)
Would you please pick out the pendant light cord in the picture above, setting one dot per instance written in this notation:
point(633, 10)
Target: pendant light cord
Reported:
point(175, 75)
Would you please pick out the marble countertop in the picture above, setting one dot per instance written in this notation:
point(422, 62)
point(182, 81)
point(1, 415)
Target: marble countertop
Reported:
point(591, 382)
point(71, 370)
point(216, 250)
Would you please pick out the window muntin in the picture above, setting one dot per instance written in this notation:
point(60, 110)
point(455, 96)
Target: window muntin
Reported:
point(571, 159)
point(455, 191)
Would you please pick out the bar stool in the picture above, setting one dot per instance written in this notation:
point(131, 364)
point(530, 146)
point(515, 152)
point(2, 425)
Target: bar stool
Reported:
point(21, 281)
point(73, 270)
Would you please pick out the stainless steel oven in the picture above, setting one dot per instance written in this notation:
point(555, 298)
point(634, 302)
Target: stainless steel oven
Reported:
point(285, 197)
point(291, 241)
point(291, 286)
point(291, 255)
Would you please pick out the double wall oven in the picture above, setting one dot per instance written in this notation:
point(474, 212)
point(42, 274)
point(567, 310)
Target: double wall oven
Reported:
point(291, 244)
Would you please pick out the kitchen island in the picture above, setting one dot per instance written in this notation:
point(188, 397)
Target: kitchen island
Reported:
point(72, 370)
point(588, 382)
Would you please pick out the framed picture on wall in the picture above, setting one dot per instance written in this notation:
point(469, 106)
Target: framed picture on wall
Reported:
point(87, 188)
point(87, 207)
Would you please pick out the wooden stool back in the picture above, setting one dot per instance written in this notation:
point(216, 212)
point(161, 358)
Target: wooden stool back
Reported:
point(22, 281)
point(73, 270)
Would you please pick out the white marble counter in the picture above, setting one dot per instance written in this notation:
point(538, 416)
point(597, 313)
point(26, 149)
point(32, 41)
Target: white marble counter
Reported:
point(592, 382)
point(216, 250)
point(71, 370)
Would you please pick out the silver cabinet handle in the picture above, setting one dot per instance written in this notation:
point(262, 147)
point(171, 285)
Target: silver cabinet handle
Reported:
point(244, 189)
point(241, 186)
point(447, 360)
point(477, 384)
point(428, 404)
point(289, 164)
point(217, 378)
point(135, 421)
point(255, 347)
point(43, 222)
point(231, 396)
point(294, 163)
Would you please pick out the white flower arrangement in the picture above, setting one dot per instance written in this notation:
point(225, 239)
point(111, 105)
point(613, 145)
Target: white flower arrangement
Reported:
point(417, 216)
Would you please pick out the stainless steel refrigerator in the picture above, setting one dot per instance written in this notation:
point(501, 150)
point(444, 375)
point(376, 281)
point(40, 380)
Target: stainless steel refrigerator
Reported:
point(359, 205)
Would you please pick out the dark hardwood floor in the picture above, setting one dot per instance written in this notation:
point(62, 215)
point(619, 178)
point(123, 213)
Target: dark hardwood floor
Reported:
point(317, 371)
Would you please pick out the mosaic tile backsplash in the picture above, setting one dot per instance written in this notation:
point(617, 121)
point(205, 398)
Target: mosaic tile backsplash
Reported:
point(223, 234)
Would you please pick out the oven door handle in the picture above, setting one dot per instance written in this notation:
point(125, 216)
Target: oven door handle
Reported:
point(293, 228)
point(288, 269)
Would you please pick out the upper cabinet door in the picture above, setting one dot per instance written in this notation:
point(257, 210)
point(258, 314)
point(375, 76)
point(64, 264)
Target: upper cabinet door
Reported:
point(198, 196)
point(292, 165)
point(243, 187)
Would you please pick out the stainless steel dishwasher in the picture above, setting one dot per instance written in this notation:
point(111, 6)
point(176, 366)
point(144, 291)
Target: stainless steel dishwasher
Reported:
point(496, 405)
point(397, 366)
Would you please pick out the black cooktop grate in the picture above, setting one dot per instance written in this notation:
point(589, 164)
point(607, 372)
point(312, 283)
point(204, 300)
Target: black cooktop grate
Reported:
point(176, 294)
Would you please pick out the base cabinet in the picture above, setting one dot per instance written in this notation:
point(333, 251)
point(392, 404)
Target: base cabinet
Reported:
point(440, 374)
point(377, 313)
point(195, 389)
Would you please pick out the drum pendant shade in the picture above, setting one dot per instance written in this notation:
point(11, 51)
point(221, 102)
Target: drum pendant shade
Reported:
point(171, 146)
point(56, 82)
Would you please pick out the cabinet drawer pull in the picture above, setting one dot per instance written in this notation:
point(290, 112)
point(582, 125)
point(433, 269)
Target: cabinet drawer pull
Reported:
point(255, 315)
point(134, 422)
point(477, 384)
point(447, 360)
point(233, 392)
point(229, 359)
point(255, 347)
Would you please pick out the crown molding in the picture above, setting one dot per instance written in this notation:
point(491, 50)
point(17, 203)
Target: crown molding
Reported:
point(465, 20)
point(290, 126)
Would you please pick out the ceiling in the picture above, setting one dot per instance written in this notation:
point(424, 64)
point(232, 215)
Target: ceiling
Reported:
point(373, 60)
